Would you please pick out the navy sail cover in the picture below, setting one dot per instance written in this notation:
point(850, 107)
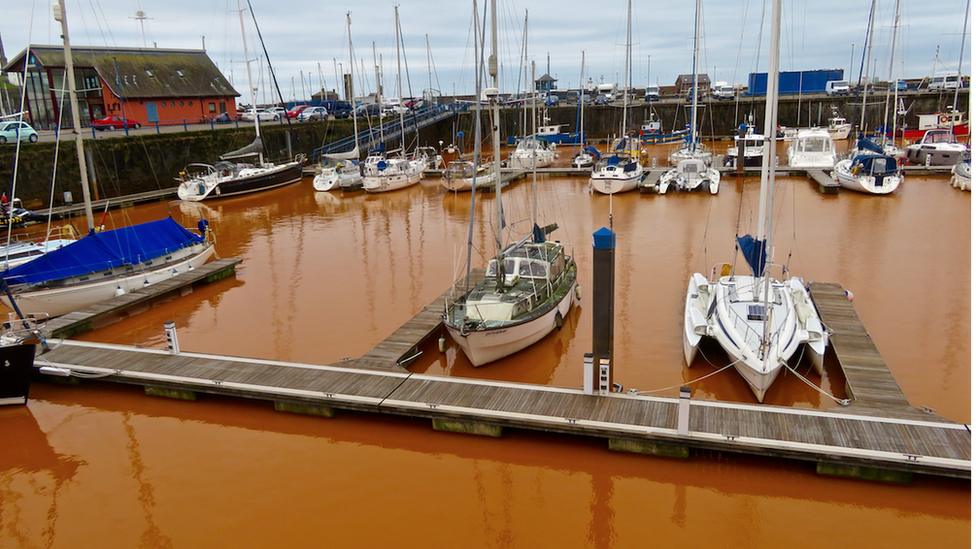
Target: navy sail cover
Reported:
point(105, 250)
point(755, 253)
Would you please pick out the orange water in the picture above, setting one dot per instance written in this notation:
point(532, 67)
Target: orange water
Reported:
point(327, 276)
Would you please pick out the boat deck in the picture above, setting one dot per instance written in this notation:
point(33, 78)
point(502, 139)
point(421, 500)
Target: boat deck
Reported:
point(880, 436)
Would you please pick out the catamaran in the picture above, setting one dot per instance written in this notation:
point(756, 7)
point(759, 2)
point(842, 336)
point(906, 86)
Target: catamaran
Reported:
point(759, 320)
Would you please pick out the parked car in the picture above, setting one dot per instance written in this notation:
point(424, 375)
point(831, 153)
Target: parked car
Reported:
point(313, 113)
point(371, 109)
point(223, 118)
point(652, 93)
point(115, 122)
point(902, 86)
point(12, 131)
point(341, 110)
point(296, 110)
point(279, 111)
point(262, 114)
point(601, 100)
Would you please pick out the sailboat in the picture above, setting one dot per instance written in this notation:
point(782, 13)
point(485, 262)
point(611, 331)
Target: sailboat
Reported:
point(396, 170)
point(692, 148)
point(231, 176)
point(759, 321)
point(621, 169)
point(530, 285)
point(105, 264)
point(341, 170)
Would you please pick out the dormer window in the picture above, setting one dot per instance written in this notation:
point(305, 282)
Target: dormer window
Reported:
point(179, 73)
point(150, 74)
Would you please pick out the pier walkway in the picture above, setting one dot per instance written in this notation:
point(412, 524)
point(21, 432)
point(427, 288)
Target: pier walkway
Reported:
point(879, 437)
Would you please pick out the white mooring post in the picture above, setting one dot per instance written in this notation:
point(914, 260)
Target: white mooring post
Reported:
point(171, 342)
point(588, 374)
point(684, 410)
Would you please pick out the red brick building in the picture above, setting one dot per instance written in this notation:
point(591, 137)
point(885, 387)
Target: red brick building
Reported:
point(149, 84)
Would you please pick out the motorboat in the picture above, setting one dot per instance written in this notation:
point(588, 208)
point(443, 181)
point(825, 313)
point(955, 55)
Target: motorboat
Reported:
point(937, 147)
point(812, 149)
point(751, 144)
point(532, 152)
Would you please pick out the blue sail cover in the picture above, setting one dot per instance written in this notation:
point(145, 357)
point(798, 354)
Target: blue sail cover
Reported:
point(105, 250)
point(869, 145)
point(755, 253)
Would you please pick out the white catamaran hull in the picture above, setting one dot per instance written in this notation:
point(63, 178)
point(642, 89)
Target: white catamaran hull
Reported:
point(482, 347)
point(720, 310)
point(63, 300)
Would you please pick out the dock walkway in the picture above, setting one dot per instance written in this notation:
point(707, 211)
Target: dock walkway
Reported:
point(863, 443)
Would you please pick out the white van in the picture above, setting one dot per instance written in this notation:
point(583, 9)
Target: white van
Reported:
point(838, 87)
point(652, 93)
point(722, 90)
point(945, 81)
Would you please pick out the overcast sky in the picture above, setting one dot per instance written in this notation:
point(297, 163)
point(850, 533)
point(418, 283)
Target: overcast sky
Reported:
point(307, 38)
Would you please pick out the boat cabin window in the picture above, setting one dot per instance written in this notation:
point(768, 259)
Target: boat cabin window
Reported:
point(557, 266)
point(939, 137)
point(815, 144)
point(532, 269)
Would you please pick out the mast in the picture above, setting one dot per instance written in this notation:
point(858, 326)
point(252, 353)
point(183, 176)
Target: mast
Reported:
point(866, 66)
point(477, 144)
point(396, 16)
point(250, 83)
point(61, 16)
point(767, 183)
point(694, 83)
point(579, 117)
point(535, 151)
point(495, 136)
point(962, 53)
point(623, 123)
point(352, 86)
point(893, 76)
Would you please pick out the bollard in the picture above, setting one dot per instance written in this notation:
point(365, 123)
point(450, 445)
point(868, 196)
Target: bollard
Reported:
point(171, 341)
point(157, 126)
point(184, 124)
point(684, 410)
point(588, 374)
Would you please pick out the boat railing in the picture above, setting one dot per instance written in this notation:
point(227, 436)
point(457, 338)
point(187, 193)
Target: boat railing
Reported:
point(20, 329)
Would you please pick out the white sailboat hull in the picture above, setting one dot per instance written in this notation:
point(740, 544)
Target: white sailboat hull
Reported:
point(614, 185)
point(864, 183)
point(482, 347)
point(63, 300)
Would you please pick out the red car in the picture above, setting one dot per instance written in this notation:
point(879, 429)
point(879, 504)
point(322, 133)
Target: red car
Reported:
point(296, 110)
point(114, 122)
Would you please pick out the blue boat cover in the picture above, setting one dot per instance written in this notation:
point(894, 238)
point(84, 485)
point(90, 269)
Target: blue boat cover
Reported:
point(875, 164)
point(869, 145)
point(755, 253)
point(592, 150)
point(105, 250)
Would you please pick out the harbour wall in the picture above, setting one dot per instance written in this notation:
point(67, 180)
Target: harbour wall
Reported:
point(146, 161)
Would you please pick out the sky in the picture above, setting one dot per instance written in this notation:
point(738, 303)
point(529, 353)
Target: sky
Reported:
point(307, 41)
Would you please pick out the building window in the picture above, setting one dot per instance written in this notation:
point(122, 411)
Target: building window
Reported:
point(181, 103)
point(149, 73)
point(179, 72)
point(190, 103)
point(163, 104)
point(213, 108)
point(172, 103)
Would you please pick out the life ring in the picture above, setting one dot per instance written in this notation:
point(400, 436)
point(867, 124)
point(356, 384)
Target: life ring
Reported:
point(902, 160)
point(943, 119)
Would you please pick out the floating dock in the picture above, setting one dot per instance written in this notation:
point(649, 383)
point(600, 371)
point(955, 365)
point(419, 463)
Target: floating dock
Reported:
point(879, 437)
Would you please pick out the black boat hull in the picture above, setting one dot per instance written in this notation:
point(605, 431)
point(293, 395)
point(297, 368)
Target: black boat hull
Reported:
point(16, 366)
point(244, 185)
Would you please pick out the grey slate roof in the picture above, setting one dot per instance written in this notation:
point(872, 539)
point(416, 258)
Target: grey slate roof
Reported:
point(200, 77)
